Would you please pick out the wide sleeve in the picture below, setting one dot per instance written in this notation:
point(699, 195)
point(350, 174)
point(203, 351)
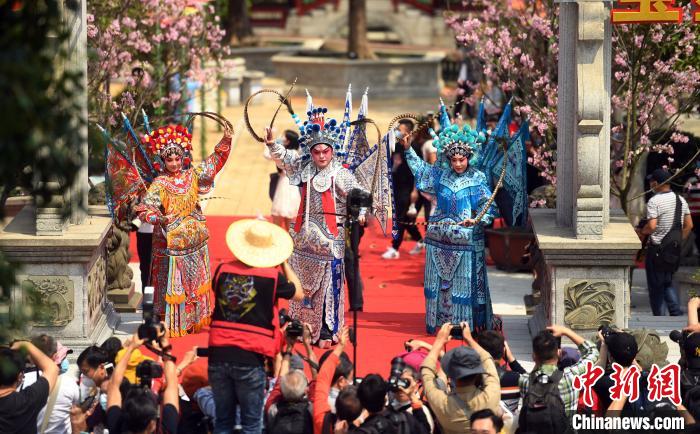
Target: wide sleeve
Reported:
point(481, 198)
point(345, 182)
point(207, 170)
point(149, 210)
point(424, 174)
point(287, 159)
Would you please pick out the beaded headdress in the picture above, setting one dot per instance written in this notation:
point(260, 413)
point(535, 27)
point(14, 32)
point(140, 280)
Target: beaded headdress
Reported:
point(453, 140)
point(168, 140)
point(319, 130)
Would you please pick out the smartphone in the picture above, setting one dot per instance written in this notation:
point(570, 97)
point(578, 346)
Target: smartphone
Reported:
point(456, 331)
point(109, 367)
point(88, 402)
point(202, 351)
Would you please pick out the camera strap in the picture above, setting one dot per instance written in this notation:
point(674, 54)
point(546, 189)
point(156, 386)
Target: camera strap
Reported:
point(161, 354)
point(50, 405)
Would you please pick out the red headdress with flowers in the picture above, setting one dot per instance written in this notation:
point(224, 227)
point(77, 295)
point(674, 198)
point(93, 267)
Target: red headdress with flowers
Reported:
point(168, 140)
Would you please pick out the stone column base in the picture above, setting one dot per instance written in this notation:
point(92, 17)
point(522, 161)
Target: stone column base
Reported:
point(585, 283)
point(64, 276)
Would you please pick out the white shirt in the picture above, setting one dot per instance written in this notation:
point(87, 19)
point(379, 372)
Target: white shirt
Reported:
point(68, 395)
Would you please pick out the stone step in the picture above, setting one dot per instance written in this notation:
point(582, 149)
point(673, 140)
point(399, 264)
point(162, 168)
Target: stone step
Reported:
point(125, 300)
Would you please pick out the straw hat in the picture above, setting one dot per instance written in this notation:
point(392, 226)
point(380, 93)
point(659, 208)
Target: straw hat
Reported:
point(258, 243)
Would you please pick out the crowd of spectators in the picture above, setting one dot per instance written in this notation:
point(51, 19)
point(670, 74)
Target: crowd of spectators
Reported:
point(477, 386)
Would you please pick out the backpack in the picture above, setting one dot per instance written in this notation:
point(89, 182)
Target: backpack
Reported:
point(292, 418)
point(543, 409)
point(667, 255)
point(387, 422)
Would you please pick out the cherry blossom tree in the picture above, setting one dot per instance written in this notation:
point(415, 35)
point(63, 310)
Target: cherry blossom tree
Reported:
point(153, 47)
point(656, 79)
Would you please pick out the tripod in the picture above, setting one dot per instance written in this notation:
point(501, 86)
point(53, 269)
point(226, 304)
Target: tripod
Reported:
point(357, 199)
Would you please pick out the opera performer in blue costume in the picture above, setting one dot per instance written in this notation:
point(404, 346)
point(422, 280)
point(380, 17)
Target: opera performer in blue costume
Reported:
point(472, 165)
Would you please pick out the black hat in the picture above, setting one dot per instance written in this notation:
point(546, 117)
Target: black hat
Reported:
point(622, 347)
point(659, 175)
point(461, 362)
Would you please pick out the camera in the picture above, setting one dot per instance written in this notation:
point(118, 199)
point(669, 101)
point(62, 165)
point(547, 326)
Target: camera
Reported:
point(395, 381)
point(606, 331)
point(202, 352)
point(295, 329)
point(456, 331)
point(151, 328)
point(358, 199)
point(147, 370)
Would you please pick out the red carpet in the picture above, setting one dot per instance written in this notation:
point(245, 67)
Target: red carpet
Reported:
point(394, 304)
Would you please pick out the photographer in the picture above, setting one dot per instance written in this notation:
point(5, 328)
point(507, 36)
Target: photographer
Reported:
point(245, 324)
point(95, 370)
point(689, 341)
point(494, 344)
point(139, 413)
point(19, 410)
point(547, 379)
point(621, 348)
point(54, 418)
point(404, 397)
point(335, 374)
point(287, 408)
point(473, 374)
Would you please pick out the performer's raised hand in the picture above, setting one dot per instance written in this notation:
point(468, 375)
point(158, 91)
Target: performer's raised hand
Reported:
point(406, 141)
point(269, 140)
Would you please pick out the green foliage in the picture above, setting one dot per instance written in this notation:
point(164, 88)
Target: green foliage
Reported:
point(40, 119)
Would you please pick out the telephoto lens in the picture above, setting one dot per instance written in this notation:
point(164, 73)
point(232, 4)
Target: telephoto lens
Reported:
point(395, 381)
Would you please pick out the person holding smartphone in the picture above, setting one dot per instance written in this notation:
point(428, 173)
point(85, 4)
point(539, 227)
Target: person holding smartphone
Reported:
point(19, 410)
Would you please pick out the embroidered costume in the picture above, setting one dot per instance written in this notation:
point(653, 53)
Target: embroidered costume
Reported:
point(318, 231)
point(456, 284)
point(180, 269)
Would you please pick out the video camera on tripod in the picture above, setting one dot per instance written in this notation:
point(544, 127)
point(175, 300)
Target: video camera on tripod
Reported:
point(151, 328)
point(357, 199)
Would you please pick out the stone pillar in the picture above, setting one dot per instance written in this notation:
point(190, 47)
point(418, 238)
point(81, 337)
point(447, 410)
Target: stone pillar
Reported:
point(75, 20)
point(587, 249)
point(583, 128)
point(62, 263)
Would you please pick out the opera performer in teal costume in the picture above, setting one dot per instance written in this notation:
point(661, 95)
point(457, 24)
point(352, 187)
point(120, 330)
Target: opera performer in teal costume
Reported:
point(456, 285)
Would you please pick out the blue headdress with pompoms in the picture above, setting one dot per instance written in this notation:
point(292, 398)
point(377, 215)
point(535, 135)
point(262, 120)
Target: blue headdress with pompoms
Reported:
point(453, 140)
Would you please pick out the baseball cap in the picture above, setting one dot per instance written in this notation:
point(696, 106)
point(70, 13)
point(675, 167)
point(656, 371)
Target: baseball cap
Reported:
point(622, 347)
point(659, 175)
point(569, 357)
point(413, 358)
point(461, 362)
point(61, 353)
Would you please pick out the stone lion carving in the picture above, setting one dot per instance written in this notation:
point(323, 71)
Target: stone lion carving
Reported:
point(119, 274)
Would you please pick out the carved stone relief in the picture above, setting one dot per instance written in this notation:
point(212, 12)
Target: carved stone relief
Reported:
point(96, 287)
point(589, 303)
point(53, 296)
